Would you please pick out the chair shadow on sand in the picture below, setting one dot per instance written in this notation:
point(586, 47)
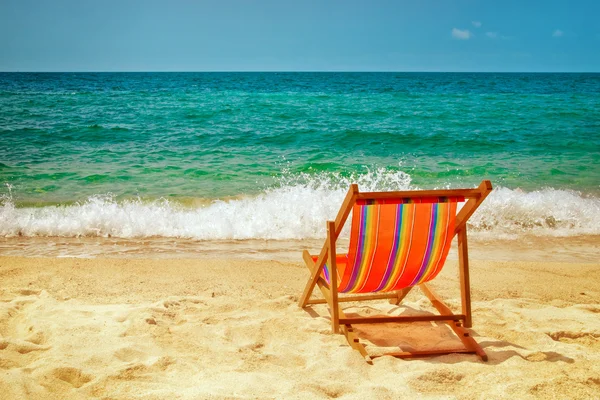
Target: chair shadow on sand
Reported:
point(383, 338)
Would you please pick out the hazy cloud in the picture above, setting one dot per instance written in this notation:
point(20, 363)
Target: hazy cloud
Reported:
point(491, 35)
point(476, 24)
point(558, 33)
point(461, 34)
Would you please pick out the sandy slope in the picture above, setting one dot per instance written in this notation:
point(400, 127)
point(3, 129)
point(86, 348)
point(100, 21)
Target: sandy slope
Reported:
point(119, 328)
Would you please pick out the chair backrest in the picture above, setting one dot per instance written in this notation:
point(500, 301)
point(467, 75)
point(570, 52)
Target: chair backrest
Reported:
point(397, 242)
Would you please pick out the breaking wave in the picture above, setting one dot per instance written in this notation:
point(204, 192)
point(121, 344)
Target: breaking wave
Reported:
point(296, 208)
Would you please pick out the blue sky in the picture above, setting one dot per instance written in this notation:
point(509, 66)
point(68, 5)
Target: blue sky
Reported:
point(300, 35)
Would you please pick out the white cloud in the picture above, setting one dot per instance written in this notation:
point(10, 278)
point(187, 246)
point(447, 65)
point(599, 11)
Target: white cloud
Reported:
point(460, 34)
point(558, 33)
point(491, 35)
point(476, 24)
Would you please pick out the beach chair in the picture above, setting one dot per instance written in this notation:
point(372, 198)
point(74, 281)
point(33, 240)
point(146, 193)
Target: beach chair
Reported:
point(398, 240)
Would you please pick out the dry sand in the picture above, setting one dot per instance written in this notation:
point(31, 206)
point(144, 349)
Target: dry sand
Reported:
point(208, 328)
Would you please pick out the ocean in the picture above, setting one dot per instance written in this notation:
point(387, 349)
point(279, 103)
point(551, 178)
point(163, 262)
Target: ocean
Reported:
point(208, 157)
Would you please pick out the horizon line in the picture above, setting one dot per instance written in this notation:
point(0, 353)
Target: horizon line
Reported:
point(294, 71)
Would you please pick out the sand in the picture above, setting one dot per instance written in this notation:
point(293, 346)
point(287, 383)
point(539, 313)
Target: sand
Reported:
point(231, 328)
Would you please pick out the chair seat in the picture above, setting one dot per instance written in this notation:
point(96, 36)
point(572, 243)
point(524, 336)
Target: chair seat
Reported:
point(394, 246)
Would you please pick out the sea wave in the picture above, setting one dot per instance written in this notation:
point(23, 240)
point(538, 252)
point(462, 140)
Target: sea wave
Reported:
point(296, 208)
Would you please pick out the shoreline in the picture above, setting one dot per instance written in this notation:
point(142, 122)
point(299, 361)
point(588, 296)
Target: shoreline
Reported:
point(581, 249)
point(131, 328)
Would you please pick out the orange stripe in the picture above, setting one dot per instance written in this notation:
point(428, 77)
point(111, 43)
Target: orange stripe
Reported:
point(406, 237)
point(385, 242)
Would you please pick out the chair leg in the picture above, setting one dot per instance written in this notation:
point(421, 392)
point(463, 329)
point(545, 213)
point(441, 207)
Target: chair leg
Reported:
point(465, 284)
point(354, 341)
point(315, 273)
point(334, 305)
point(401, 294)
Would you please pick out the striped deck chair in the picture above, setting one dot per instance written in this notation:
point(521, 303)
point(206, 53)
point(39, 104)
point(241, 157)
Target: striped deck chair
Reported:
point(398, 240)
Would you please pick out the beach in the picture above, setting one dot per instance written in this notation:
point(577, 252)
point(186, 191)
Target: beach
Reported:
point(165, 166)
point(210, 327)
point(152, 226)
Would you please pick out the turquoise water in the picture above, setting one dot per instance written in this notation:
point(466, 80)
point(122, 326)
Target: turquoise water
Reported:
point(99, 153)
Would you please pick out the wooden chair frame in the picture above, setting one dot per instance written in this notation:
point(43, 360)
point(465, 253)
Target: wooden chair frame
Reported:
point(340, 322)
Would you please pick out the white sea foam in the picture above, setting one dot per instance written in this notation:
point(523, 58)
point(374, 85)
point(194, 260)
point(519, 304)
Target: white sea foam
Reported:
point(296, 209)
point(548, 212)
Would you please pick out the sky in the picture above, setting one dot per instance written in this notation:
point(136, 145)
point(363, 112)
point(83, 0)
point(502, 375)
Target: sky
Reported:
point(300, 35)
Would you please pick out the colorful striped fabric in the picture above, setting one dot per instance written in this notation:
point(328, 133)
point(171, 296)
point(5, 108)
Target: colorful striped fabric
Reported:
point(395, 244)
